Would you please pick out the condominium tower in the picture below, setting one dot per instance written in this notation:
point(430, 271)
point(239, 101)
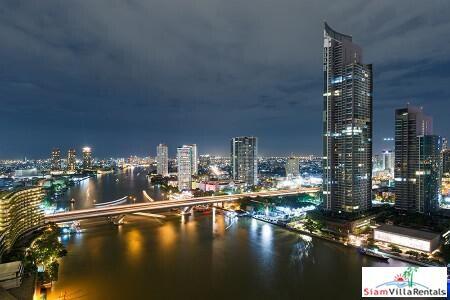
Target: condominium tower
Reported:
point(244, 163)
point(347, 125)
point(162, 160)
point(184, 163)
point(87, 158)
point(56, 160)
point(71, 160)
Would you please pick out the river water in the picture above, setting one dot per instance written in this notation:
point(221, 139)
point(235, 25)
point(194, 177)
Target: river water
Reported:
point(197, 257)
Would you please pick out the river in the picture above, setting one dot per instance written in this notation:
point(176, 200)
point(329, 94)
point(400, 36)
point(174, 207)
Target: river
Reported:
point(197, 257)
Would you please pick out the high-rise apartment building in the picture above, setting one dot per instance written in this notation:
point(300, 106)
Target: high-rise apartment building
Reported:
point(71, 160)
point(194, 158)
point(162, 160)
point(244, 159)
point(292, 167)
point(56, 160)
point(429, 174)
point(410, 123)
point(347, 125)
point(184, 163)
point(87, 158)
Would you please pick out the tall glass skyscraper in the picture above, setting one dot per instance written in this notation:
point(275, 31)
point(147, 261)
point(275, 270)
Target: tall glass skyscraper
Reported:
point(410, 123)
point(162, 160)
point(429, 174)
point(244, 162)
point(347, 125)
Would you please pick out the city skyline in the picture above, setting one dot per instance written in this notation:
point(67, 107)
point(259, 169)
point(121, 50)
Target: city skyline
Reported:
point(272, 92)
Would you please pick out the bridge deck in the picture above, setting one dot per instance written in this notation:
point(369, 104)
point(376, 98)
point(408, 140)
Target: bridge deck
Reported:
point(159, 205)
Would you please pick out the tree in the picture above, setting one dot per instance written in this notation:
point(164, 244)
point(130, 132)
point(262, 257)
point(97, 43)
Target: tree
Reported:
point(394, 248)
point(45, 251)
point(310, 225)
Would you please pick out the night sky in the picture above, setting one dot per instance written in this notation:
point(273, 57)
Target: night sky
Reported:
point(122, 76)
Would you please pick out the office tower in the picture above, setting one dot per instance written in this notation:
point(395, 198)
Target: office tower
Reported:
point(429, 174)
point(244, 162)
point(194, 158)
point(20, 213)
point(410, 123)
point(347, 125)
point(87, 158)
point(56, 160)
point(446, 162)
point(71, 160)
point(162, 160)
point(184, 162)
point(292, 167)
point(388, 160)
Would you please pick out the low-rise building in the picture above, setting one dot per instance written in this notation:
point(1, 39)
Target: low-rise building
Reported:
point(218, 186)
point(407, 237)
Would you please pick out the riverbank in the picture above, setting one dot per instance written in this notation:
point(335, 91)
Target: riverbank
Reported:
point(343, 243)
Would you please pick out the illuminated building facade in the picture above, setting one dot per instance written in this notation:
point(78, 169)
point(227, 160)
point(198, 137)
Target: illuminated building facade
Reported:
point(388, 160)
point(292, 167)
point(162, 160)
point(410, 238)
point(19, 214)
point(410, 123)
point(184, 163)
point(244, 162)
point(347, 125)
point(446, 162)
point(56, 160)
point(194, 159)
point(87, 158)
point(71, 160)
point(429, 174)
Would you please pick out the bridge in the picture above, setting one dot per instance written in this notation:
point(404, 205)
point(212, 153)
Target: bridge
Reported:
point(166, 204)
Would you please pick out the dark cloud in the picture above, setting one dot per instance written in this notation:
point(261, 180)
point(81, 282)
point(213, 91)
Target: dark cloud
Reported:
point(123, 76)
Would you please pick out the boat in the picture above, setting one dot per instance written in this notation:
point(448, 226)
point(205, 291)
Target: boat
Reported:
point(373, 253)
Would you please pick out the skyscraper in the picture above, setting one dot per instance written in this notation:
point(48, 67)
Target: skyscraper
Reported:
point(429, 174)
point(194, 158)
point(162, 160)
point(87, 158)
point(347, 125)
point(292, 167)
point(184, 162)
point(71, 160)
point(56, 160)
point(446, 162)
point(244, 163)
point(410, 123)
